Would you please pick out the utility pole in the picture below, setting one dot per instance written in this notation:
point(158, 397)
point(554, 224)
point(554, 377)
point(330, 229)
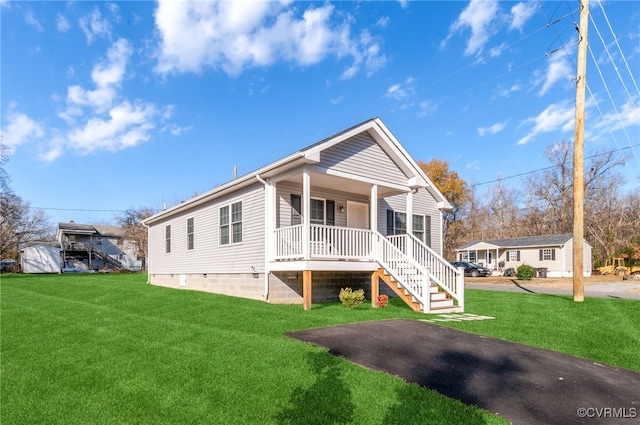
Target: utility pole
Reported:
point(578, 158)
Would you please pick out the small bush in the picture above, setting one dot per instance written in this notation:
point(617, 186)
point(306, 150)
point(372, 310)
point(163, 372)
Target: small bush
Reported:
point(382, 300)
point(351, 298)
point(525, 272)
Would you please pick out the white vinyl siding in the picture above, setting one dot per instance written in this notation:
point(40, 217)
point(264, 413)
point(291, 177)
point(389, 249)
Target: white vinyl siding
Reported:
point(362, 156)
point(210, 256)
point(285, 212)
point(423, 204)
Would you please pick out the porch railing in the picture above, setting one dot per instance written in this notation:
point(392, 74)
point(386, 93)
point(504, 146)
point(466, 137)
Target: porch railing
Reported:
point(441, 272)
point(413, 264)
point(324, 242)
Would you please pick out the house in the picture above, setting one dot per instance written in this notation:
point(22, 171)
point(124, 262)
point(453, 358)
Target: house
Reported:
point(41, 257)
point(551, 252)
point(87, 247)
point(352, 210)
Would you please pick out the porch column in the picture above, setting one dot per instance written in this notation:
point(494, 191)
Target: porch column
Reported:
point(410, 212)
point(270, 221)
point(408, 243)
point(306, 289)
point(306, 213)
point(375, 289)
point(373, 208)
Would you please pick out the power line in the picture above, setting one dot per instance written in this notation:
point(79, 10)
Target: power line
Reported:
point(549, 167)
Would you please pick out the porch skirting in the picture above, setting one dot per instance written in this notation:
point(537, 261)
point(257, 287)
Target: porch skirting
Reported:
point(284, 287)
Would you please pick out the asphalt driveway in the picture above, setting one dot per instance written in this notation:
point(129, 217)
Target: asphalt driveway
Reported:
point(524, 384)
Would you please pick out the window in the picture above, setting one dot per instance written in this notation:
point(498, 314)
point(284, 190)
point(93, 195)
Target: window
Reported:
point(190, 233)
point(422, 228)
point(317, 211)
point(322, 212)
point(396, 223)
point(418, 226)
point(231, 223)
point(513, 255)
point(167, 239)
point(296, 210)
point(547, 254)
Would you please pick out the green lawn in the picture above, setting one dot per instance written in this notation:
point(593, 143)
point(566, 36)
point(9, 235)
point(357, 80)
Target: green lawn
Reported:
point(110, 349)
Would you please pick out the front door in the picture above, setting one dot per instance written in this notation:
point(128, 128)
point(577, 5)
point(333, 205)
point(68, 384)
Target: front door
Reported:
point(357, 215)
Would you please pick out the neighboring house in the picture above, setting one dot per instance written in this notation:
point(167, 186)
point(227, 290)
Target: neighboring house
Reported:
point(87, 247)
point(552, 252)
point(41, 257)
point(350, 211)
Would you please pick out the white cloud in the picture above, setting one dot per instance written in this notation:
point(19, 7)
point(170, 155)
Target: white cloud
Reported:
point(233, 36)
point(506, 91)
point(125, 126)
point(473, 165)
point(494, 129)
point(558, 70)
point(626, 117)
point(176, 130)
point(94, 26)
point(558, 117)
point(521, 13)
point(479, 16)
point(101, 119)
point(19, 128)
point(31, 20)
point(401, 91)
point(62, 24)
point(107, 76)
point(426, 108)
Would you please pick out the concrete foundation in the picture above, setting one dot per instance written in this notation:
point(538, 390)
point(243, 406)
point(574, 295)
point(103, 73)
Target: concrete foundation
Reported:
point(284, 287)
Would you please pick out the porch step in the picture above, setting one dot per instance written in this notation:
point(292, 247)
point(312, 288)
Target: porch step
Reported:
point(439, 301)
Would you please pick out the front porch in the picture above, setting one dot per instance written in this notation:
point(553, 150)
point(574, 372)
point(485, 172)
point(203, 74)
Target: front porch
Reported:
point(411, 269)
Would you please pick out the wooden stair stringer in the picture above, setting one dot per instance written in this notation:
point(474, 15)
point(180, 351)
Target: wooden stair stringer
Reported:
point(398, 290)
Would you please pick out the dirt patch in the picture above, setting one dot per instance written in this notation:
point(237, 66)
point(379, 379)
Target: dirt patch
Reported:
point(550, 282)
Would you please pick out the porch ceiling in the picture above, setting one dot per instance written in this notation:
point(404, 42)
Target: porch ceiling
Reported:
point(345, 184)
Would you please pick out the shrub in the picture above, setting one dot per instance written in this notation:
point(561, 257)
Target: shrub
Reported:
point(351, 298)
point(382, 300)
point(525, 272)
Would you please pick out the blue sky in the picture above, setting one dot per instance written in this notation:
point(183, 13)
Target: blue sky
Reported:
point(113, 105)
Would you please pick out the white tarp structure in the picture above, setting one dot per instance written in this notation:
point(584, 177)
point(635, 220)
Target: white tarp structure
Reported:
point(41, 259)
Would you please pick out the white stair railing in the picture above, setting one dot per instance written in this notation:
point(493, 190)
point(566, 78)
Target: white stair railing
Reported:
point(403, 269)
point(441, 271)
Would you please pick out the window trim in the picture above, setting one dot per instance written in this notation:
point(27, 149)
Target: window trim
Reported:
point(190, 233)
point(517, 254)
point(230, 225)
point(547, 254)
point(324, 211)
point(167, 239)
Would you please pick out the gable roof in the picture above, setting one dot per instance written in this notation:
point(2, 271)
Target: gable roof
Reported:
point(311, 155)
point(90, 229)
point(522, 242)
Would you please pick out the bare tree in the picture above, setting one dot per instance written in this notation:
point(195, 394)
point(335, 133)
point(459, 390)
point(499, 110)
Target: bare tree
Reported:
point(19, 225)
point(131, 221)
point(552, 189)
point(503, 211)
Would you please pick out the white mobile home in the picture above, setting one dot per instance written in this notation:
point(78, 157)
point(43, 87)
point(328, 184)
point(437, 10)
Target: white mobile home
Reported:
point(41, 258)
point(351, 210)
point(553, 253)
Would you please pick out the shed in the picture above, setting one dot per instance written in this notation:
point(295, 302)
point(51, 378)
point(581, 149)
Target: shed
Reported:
point(41, 258)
